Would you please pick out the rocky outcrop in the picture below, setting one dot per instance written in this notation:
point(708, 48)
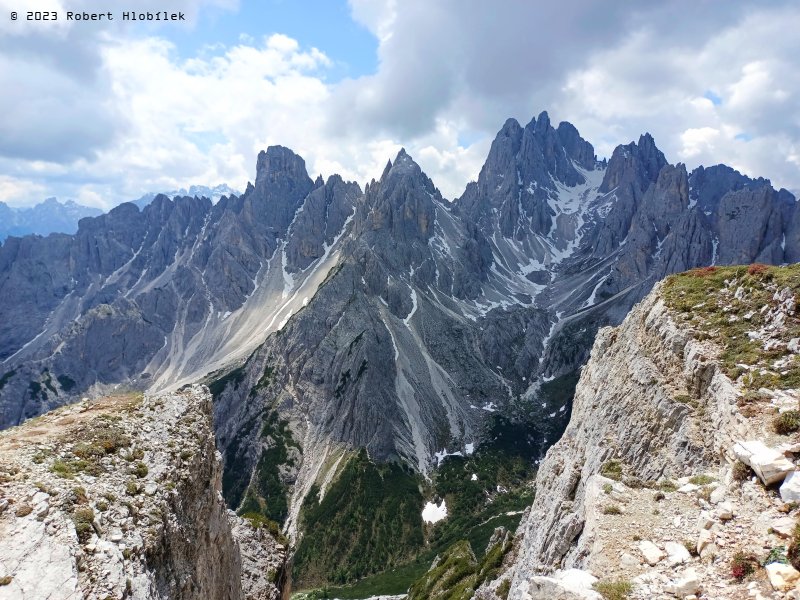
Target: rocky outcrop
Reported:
point(120, 497)
point(666, 422)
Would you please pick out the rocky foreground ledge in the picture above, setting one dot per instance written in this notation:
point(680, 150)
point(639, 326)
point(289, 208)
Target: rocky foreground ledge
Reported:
point(120, 498)
point(679, 473)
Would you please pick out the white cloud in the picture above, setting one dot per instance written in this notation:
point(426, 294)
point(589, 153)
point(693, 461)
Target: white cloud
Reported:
point(107, 117)
point(698, 140)
point(12, 188)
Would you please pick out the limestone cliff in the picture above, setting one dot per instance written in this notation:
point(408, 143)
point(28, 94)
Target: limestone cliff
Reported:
point(120, 498)
point(683, 416)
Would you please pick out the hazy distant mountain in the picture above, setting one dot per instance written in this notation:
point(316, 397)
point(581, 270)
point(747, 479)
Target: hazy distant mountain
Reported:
point(50, 216)
point(201, 191)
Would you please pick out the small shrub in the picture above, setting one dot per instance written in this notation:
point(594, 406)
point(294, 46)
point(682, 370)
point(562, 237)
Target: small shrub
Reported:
point(701, 480)
point(63, 469)
point(741, 472)
point(776, 555)
point(612, 469)
point(634, 483)
point(185, 454)
point(607, 487)
point(742, 566)
point(787, 422)
point(40, 457)
point(690, 546)
point(503, 589)
point(140, 470)
point(614, 590)
point(43, 488)
point(24, 510)
point(111, 439)
point(77, 495)
point(102, 505)
point(88, 451)
point(612, 509)
point(131, 488)
point(757, 269)
point(703, 271)
point(659, 496)
point(83, 518)
point(667, 486)
point(6, 579)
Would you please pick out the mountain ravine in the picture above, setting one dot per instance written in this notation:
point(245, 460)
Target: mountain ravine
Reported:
point(370, 352)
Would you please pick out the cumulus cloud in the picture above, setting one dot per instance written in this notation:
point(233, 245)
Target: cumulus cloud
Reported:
point(107, 113)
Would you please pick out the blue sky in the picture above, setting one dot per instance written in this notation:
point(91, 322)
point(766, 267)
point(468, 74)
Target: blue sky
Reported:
point(325, 24)
point(103, 113)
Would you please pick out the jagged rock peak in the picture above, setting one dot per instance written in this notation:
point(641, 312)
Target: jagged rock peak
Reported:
point(282, 183)
point(522, 173)
point(402, 200)
point(640, 161)
point(403, 165)
point(541, 124)
point(279, 160)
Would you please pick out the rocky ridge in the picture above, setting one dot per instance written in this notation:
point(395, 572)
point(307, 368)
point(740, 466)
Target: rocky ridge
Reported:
point(665, 483)
point(120, 498)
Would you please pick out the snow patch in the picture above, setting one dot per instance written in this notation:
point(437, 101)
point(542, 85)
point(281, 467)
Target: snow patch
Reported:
point(442, 454)
point(432, 513)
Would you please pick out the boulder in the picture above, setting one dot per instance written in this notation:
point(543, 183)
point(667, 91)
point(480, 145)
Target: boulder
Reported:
point(703, 540)
point(718, 495)
point(677, 554)
point(783, 526)
point(687, 585)
point(571, 584)
point(790, 488)
point(770, 465)
point(652, 554)
point(629, 560)
point(725, 511)
point(782, 577)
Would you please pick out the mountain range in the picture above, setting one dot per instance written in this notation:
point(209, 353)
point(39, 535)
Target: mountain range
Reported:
point(213, 193)
point(330, 320)
point(44, 218)
point(53, 216)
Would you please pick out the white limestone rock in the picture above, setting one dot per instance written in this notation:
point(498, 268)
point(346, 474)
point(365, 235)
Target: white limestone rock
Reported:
point(677, 554)
point(790, 488)
point(782, 578)
point(770, 465)
point(652, 553)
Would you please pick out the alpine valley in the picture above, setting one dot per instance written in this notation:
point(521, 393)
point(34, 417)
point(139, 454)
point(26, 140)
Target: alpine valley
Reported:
point(374, 352)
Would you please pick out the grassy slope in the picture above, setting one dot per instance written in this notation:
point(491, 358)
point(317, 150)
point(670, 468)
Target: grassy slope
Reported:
point(706, 299)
